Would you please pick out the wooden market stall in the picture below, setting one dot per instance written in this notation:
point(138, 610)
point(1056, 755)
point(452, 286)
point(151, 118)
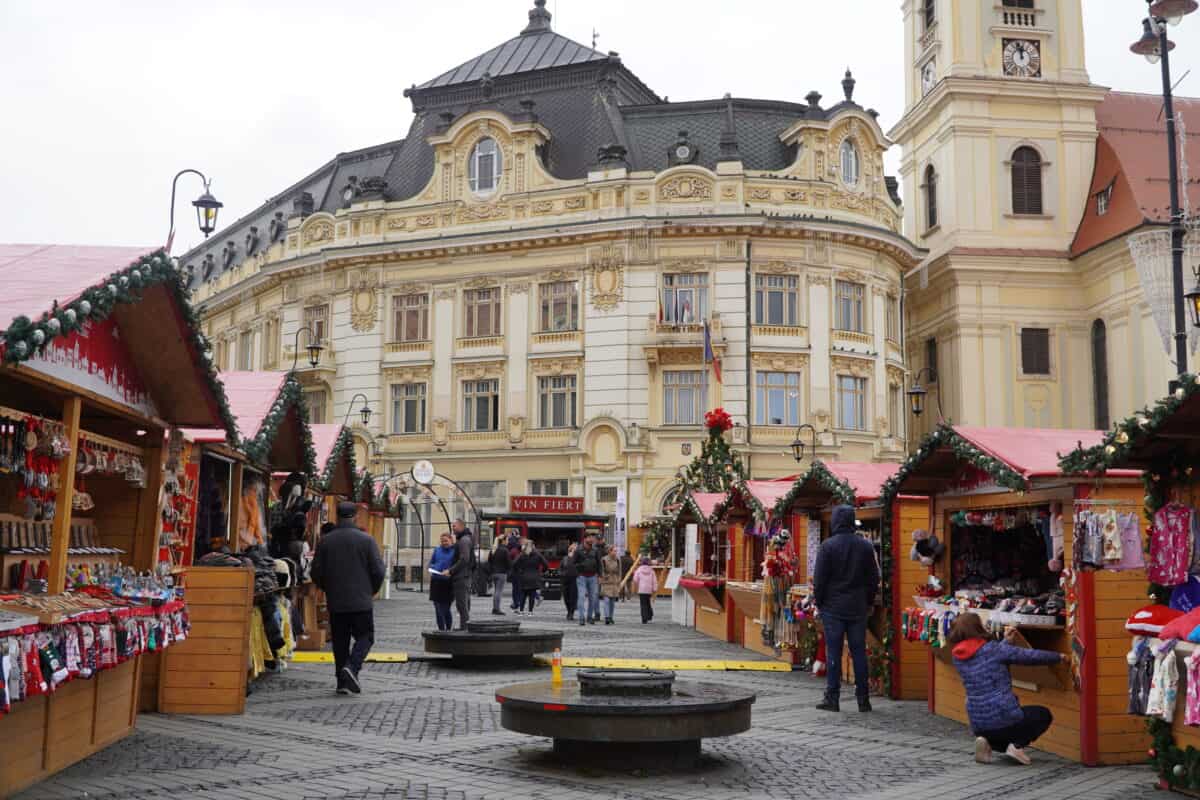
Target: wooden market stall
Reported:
point(706, 586)
point(900, 665)
point(100, 358)
point(1021, 550)
point(210, 672)
point(1163, 442)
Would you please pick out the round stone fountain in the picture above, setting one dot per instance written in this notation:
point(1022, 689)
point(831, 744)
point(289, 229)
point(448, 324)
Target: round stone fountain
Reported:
point(492, 640)
point(626, 717)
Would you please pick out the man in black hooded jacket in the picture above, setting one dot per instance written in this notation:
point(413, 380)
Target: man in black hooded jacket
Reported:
point(845, 581)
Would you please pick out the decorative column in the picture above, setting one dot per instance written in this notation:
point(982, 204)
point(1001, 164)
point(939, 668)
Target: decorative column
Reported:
point(819, 326)
point(516, 328)
point(445, 327)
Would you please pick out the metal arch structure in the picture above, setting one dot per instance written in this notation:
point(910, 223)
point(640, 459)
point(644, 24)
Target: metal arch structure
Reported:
point(431, 490)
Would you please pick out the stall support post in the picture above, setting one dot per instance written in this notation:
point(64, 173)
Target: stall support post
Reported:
point(1085, 630)
point(235, 505)
point(61, 531)
point(149, 516)
point(894, 621)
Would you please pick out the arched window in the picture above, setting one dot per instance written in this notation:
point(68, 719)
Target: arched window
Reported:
point(931, 210)
point(1026, 181)
point(849, 163)
point(1100, 373)
point(484, 167)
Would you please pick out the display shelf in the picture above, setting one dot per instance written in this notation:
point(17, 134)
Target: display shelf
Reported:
point(991, 616)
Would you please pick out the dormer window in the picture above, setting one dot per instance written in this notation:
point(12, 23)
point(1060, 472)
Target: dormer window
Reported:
point(484, 167)
point(1103, 199)
point(849, 163)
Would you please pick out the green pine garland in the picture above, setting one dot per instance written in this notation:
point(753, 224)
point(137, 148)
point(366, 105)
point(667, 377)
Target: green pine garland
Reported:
point(343, 447)
point(717, 468)
point(656, 537)
point(843, 492)
point(25, 338)
point(291, 396)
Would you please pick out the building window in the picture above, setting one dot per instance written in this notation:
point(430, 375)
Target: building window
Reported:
point(315, 401)
point(849, 163)
point(552, 487)
point(930, 13)
point(852, 402)
point(892, 304)
point(685, 298)
point(1103, 198)
point(1017, 3)
point(481, 405)
point(408, 408)
point(850, 315)
point(316, 319)
point(484, 167)
point(556, 401)
point(245, 351)
point(410, 318)
point(560, 306)
point(1100, 373)
point(270, 343)
point(223, 355)
point(895, 410)
point(931, 358)
point(482, 310)
point(777, 398)
point(1035, 351)
point(1026, 181)
point(606, 494)
point(931, 210)
point(683, 397)
point(777, 300)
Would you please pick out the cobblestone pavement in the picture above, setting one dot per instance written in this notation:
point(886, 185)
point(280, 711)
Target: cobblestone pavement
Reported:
point(427, 731)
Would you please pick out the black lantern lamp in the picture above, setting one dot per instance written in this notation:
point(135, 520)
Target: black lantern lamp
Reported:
point(1192, 300)
point(364, 412)
point(798, 443)
point(1149, 45)
point(917, 394)
point(207, 207)
point(314, 347)
point(1173, 11)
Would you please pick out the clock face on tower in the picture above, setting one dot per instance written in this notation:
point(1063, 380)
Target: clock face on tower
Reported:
point(1022, 59)
point(928, 77)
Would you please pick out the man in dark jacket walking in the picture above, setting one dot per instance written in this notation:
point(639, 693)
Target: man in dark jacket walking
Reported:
point(460, 573)
point(587, 566)
point(349, 569)
point(845, 581)
point(498, 563)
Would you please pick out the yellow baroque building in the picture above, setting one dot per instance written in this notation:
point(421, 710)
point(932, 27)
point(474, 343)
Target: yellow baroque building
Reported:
point(1023, 181)
point(520, 286)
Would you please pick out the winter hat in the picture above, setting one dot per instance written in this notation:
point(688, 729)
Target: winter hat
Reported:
point(1151, 619)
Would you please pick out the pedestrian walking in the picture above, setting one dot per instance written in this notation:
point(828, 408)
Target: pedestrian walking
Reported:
point(998, 720)
point(514, 543)
point(610, 583)
point(569, 576)
point(441, 592)
point(349, 569)
point(645, 583)
point(460, 573)
point(626, 568)
point(845, 582)
point(498, 563)
point(587, 563)
point(528, 571)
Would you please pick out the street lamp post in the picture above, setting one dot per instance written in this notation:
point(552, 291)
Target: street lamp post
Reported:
point(314, 348)
point(1155, 45)
point(364, 412)
point(798, 443)
point(916, 394)
point(206, 207)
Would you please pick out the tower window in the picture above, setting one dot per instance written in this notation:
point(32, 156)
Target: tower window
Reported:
point(849, 163)
point(484, 167)
point(1100, 373)
point(1017, 4)
point(931, 217)
point(1026, 181)
point(930, 13)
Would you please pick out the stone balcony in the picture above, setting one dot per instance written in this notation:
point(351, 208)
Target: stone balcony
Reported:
point(667, 342)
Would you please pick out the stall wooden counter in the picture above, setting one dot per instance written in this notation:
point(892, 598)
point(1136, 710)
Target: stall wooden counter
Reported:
point(106, 355)
point(989, 482)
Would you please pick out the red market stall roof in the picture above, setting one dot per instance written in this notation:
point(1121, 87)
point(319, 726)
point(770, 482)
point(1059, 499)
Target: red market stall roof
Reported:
point(826, 482)
point(707, 502)
point(334, 447)
point(768, 492)
point(969, 455)
point(114, 324)
point(272, 421)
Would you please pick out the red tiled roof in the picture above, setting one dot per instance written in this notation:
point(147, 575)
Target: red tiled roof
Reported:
point(1033, 452)
point(1131, 155)
point(865, 478)
point(34, 276)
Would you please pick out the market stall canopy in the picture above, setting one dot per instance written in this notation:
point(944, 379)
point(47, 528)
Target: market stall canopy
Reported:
point(967, 456)
point(271, 421)
point(1165, 434)
point(113, 323)
point(705, 505)
point(334, 447)
point(768, 492)
point(830, 482)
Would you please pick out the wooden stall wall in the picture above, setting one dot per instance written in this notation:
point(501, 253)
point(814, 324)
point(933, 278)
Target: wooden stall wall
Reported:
point(912, 678)
point(1063, 738)
point(207, 673)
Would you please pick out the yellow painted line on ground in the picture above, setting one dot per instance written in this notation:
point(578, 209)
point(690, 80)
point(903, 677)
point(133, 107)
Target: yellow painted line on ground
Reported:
point(678, 664)
point(308, 657)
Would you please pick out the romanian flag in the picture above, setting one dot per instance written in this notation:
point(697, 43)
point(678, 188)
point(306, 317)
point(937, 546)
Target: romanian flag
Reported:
point(710, 355)
point(660, 310)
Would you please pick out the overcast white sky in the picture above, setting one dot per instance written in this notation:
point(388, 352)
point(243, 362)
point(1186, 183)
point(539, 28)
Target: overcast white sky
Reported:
point(102, 102)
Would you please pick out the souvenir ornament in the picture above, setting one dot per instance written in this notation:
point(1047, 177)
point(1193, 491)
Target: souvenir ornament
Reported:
point(1122, 437)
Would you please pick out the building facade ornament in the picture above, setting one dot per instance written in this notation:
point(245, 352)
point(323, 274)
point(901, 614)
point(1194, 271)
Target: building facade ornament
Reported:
point(686, 188)
point(516, 429)
point(364, 303)
point(476, 370)
point(409, 373)
point(779, 362)
point(858, 367)
point(440, 431)
point(317, 231)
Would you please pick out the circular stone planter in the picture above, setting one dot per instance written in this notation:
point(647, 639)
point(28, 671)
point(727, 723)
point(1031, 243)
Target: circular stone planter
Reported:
point(492, 639)
point(626, 718)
